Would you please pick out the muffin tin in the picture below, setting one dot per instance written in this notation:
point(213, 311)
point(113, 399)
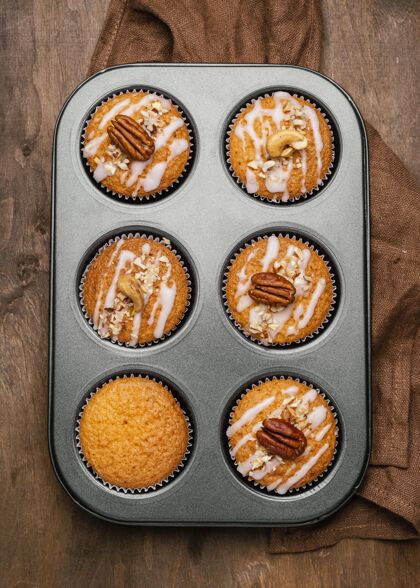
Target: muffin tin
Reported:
point(206, 360)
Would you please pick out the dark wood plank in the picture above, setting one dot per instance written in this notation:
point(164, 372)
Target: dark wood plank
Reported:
point(371, 49)
point(45, 539)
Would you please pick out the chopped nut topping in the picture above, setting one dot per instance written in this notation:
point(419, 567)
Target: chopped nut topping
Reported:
point(268, 165)
point(253, 164)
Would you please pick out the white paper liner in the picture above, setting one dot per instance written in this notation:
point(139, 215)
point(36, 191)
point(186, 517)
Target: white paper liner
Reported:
point(278, 200)
point(320, 327)
point(292, 491)
point(153, 195)
point(141, 490)
point(185, 267)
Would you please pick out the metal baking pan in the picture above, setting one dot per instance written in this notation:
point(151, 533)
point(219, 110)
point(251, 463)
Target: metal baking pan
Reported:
point(207, 360)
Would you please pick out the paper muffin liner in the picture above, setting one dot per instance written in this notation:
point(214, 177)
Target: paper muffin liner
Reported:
point(304, 196)
point(335, 294)
point(153, 195)
point(313, 483)
point(141, 490)
point(164, 241)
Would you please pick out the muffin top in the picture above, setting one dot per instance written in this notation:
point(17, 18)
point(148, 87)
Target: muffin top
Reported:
point(282, 435)
point(279, 290)
point(135, 291)
point(133, 433)
point(280, 147)
point(137, 144)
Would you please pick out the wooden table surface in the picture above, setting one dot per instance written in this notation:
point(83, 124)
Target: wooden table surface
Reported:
point(370, 48)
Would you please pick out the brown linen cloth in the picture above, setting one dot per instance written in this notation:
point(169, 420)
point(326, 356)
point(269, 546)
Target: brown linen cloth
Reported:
point(245, 31)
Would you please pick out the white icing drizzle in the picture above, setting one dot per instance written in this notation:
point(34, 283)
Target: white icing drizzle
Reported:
point(124, 256)
point(136, 168)
point(153, 313)
point(257, 113)
point(241, 442)
point(321, 434)
point(297, 259)
point(244, 302)
point(92, 146)
point(317, 416)
point(279, 319)
point(289, 97)
point(135, 106)
point(244, 281)
point(167, 298)
point(277, 179)
point(309, 396)
point(251, 181)
point(113, 112)
point(301, 473)
point(99, 298)
point(298, 311)
point(135, 328)
point(101, 172)
point(313, 117)
point(255, 317)
point(271, 252)
point(243, 286)
point(177, 147)
point(166, 132)
point(245, 466)
point(249, 415)
point(273, 485)
point(268, 467)
point(97, 307)
point(304, 169)
point(320, 287)
point(292, 390)
point(154, 176)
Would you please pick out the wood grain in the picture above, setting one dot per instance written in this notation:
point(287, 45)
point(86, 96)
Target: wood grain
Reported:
point(371, 49)
point(45, 539)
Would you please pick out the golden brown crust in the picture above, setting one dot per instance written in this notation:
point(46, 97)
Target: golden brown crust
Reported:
point(243, 152)
point(101, 274)
point(133, 433)
point(284, 471)
point(118, 182)
point(316, 270)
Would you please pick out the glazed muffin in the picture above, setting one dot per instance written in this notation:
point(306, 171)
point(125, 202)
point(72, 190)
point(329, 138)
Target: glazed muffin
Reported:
point(282, 435)
point(137, 144)
point(279, 290)
point(133, 433)
point(135, 290)
point(280, 147)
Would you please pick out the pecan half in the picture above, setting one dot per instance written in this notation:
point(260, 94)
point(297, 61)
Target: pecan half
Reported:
point(269, 288)
point(131, 137)
point(282, 438)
